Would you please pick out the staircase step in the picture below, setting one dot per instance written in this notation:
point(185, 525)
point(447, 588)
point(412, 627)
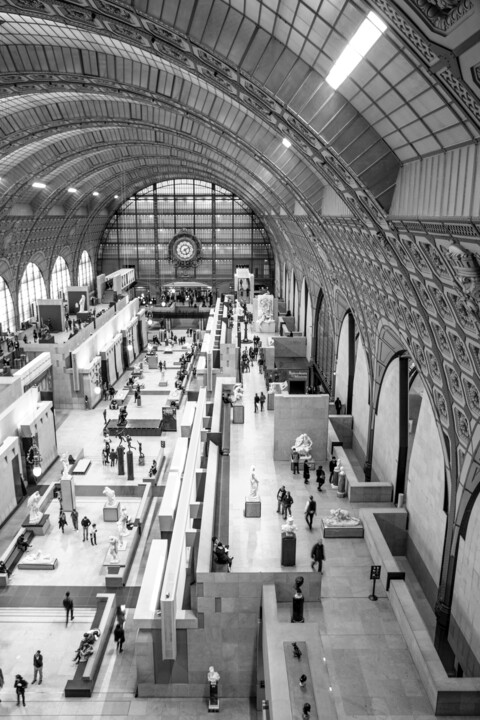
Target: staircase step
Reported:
point(43, 615)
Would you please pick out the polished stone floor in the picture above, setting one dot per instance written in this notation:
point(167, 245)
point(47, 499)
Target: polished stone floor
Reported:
point(370, 670)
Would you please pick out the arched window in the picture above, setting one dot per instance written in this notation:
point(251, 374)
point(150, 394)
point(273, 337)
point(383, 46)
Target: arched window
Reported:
point(32, 288)
point(228, 236)
point(60, 279)
point(85, 272)
point(7, 312)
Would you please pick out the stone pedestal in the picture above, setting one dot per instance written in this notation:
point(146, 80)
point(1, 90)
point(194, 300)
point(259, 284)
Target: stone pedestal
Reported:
point(342, 485)
point(121, 460)
point(271, 401)
point(67, 488)
point(289, 547)
point(238, 414)
point(130, 475)
point(335, 478)
point(139, 401)
point(40, 528)
point(111, 513)
point(253, 508)
point(297, 609)
point(152, 362)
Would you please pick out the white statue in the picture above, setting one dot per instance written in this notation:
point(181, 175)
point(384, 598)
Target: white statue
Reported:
point(81, 304)
point(253, 485)
point(113, 549)
point(237, 392)
point(33, 505)
point(289, 528)
point(213, 676)
point(303, 445)
point(122, 522)
point(65, 473)
point(110, 495)
point(265, 308)
point(340, 517)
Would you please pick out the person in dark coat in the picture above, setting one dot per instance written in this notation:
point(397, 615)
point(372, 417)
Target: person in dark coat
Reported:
point(318, 555)
point(338, 405)
point(320, 478)
point(256, 400)
point(74, 516)
point(306, 473)
point(62, 521)
point(20, 684)
point(331, 466)
point(119, 636)
point(287, 504)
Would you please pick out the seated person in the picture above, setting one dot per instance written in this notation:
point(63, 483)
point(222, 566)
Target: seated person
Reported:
point(113, 404)
point(71, 459)
point(220, 553)
point(131, 381)
point(22, 543)
point(153, 469)
point(85, 649)
point(4, 570)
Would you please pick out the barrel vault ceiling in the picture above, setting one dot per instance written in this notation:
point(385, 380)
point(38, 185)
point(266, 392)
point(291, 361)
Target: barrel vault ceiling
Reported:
point(111, 96)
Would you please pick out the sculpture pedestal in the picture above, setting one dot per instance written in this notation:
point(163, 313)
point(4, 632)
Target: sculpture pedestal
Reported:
point(335, 478)
point(121, 460)
point(40, 528)
point(152, 362)
point(111, 513)
point(342, 489)
point(121, 558)
point(297, 609)
point(253, 508)
point(130, 475)
point(67, 488)
point(289, 547)
point(271, 401)
point(238, 414)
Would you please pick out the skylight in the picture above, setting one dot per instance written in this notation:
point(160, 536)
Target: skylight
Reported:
point(364, 39)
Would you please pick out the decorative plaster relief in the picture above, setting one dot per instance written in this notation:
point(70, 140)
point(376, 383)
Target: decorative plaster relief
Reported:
point(472, 394)
point(441, 405)
point(461, 424)
point(442, 15)
point(461, 353)
point(442, 341)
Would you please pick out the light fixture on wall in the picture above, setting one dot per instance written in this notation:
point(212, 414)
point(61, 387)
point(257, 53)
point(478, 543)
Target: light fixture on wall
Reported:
point(34, 459)
point(97, 389)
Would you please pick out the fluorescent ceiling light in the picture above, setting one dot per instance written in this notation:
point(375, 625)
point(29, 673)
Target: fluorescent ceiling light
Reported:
point(72, 190)
point(95, 193)
point(287, 142)
point(39, 185)
point(364, 39)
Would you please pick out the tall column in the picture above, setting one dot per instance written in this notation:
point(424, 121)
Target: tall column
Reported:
point(402, 426)
point(351, 362)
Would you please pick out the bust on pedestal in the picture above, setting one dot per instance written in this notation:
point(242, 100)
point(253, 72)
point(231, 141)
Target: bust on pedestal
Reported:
point(289, 543)
point(213, 677)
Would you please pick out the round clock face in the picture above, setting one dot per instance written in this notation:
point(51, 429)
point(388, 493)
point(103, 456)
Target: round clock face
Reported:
point(185, 249)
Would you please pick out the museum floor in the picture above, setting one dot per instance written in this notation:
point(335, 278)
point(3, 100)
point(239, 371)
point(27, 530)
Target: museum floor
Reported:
point(369, 667)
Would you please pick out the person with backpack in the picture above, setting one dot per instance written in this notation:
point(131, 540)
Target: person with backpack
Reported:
point(318, 555)
point(310, 511)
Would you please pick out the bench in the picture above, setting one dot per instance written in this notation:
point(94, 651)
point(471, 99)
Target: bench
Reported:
point(154, 478)
point(83, 682)
point(76, 457)
point(13, 554)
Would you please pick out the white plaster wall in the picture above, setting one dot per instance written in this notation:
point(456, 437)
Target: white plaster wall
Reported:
point(296, 414)
point(8, 449)
point(360, 401)
point(386, 435)
point(465, 605)
point(341, 378)
point(425, 491)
